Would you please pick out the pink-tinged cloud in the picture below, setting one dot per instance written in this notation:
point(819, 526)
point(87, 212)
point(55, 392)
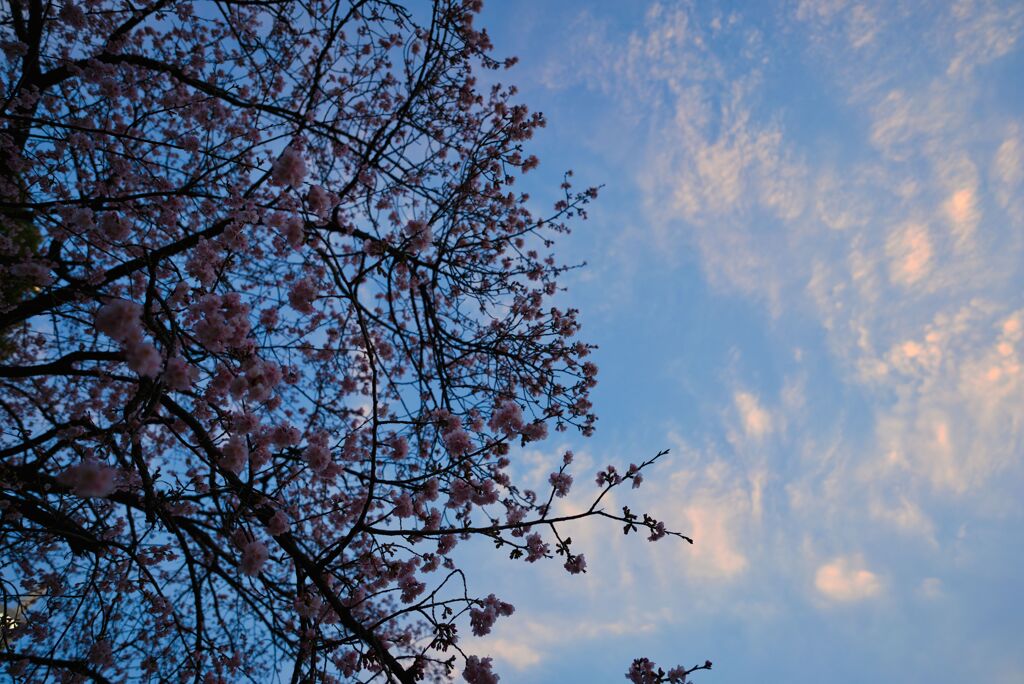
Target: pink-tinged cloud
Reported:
point(718, 556)
point(1008, 161)
point(1007, 173)
point(845, 580)
point(962, 212)
point(757, 422)
point(910, 254)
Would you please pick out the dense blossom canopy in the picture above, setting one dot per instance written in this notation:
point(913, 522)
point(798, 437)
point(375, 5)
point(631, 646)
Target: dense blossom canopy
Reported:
point(272, 322)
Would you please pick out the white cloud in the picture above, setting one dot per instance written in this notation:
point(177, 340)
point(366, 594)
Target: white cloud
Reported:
point(1007, 173)
point(1009, 161)
point(985, 31)
point(522, 643)
point(520, 655)
point(820, 10)
point(862, 26)
point(756, 421)
point(845, 579)
point(903, 513)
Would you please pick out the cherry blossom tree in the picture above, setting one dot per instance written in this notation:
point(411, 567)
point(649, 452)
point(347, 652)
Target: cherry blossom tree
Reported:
point(273, 324)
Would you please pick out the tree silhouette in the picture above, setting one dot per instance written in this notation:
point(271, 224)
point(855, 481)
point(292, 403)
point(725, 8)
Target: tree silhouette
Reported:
point(272, 320)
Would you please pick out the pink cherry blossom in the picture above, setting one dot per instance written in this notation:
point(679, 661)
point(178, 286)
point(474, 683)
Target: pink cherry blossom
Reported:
point(508, 417)
point(302, 294)
point(460, 494)
point(317, 454)
point(458, 442)
point(179, 374)
point(289, 169)
point(657, 532)
point(115, 227)
point(576, 564)
point(535, 431)
point(291, 228)
point(419, 234)
point(143, 358)
point(278, 524)
point(561, 483)
point(535, 548)
point(254, 556)
point(319, 201)
point(120, 320)
point(478, 671)
point(403, 505)
point(90, 479)
point(73, 15)
point(235, 454)
point(411, 588)
point(481, 619)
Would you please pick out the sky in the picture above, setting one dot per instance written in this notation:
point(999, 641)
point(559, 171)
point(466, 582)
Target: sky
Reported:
point(805, 278)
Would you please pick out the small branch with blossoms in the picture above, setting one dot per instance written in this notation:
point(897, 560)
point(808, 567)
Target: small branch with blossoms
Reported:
point(609, 480)
point(643, 671)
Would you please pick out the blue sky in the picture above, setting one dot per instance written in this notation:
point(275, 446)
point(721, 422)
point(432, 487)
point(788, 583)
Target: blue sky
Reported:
point(805, 279)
